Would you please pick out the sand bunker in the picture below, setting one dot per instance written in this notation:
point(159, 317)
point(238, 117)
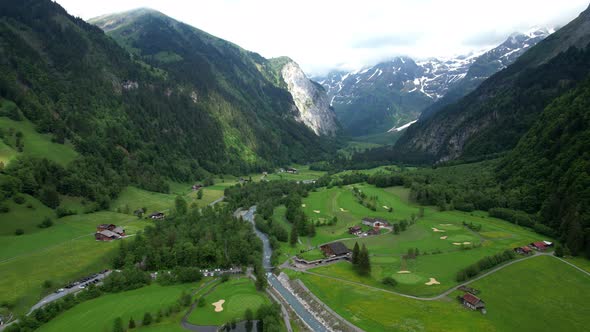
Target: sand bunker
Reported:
point(403, 272)
point(457, 243)
point(302, 205)
point(218, 305)
point(438, 230)
point(446, 224)
point(342, 210)
point(466, 242)
point(386, 207)
point(316, 211)
point(432, 282)
point(443, 237)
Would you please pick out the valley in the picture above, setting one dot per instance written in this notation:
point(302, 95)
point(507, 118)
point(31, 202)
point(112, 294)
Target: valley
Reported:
point(155, 177)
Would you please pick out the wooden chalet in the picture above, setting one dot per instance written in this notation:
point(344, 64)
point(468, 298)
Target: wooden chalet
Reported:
point(291, 170)
point(197, 187)
point(541, 246)
point(473, 302)
point(374, 231)
point(335, 249)
point(105, 227)
point(106, 235)
point(157, 215)
point(375, 222)
point(524, 250)
point(354, 230)
point(119, 231)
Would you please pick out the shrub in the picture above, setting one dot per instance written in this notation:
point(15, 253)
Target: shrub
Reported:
point(62, 212)
point(19, 199)
point(46, 223)
point(4, 208)
point(19, 231)
point(389, 281)
point(147, 319)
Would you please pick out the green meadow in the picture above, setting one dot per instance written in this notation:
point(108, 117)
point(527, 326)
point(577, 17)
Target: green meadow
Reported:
point(35, 144)
point(539, 294)
point(24, 216)
point(239, 295)
point(99, 314)
point(445, 245)
point(60, 254)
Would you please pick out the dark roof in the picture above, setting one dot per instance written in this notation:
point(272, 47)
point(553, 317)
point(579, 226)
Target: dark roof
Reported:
point(539, 244)
point(156, 214)
point(472, 299)
point(338, 248)
point(355, 227)
point(108, 233)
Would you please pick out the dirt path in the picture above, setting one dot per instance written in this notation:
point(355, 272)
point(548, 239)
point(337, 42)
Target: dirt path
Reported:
point(449, 291)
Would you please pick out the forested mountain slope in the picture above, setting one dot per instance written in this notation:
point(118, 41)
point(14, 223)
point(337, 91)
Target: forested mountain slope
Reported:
point(550, 169)
point(494, 117)
point(144, 117)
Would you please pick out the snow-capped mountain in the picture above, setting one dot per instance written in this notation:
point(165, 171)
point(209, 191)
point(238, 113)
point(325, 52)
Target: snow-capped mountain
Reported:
point(394, 93)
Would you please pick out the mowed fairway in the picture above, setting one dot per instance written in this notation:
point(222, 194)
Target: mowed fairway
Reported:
point(445, 245)
point(539, 294)
point(239, 295)
point(98, 314)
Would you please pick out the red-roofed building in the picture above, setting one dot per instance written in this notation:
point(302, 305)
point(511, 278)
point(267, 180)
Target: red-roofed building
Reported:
point(541, 246)
point(473, 302)
point(524, 250)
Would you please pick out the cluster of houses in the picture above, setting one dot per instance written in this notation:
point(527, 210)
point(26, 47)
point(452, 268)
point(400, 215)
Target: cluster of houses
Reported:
point(288, 170)
point(108, 232)
point(219, 272)
point(376, 223)
point(539, 246)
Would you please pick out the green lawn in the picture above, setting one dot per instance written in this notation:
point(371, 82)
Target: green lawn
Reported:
point(439, 236)
point(540, 294)
point(98, 314)
point(239, 294)
point(61, 253)
point(374, 310)
point(36, 144)
point(23, 217)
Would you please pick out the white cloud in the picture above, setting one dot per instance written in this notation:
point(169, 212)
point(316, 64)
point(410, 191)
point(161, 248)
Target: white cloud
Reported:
point(327, 34)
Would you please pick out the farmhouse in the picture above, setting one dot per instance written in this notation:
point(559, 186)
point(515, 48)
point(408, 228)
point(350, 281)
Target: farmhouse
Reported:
point(473, 302)
point(119, 231)
point(107, 227)
point(335, 249)
point(524, 250)
point(157, 215)
point(291, 170)
point(374, 231)
point(541, 246)
point(197, 187)
point(106, 235)
point(375, 222)
point(354, 230)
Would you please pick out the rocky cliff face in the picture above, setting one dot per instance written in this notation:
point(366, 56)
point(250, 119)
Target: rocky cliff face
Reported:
point(311, 100)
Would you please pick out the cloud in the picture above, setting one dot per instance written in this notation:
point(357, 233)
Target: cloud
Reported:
point(328, 34)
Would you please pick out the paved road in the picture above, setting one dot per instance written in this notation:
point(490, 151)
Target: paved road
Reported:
point(220, 199)
point(293, 302)
point(56, 296)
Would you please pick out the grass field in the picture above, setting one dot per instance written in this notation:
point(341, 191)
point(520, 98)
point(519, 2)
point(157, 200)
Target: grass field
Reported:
point(61, 253)
point(239, 294)
point(440, 237)
point(35, 144)
point(98, 314)
point(539, 294)
point(23, 217)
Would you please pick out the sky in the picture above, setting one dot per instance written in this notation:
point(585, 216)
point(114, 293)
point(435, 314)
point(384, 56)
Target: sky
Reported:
point(324, 35)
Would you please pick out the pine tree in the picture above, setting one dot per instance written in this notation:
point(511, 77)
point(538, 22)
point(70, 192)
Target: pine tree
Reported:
point(131, 323)
point(181, 206)
point(200, 194)
point(294, 236)
point(355, 254)
point(364, 261)
point(147, 319)
point(118, 325)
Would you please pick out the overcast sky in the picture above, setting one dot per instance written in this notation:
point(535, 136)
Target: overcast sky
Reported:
point(328, 34)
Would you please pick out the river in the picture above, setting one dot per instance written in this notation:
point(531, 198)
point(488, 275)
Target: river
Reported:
point(295, 304)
